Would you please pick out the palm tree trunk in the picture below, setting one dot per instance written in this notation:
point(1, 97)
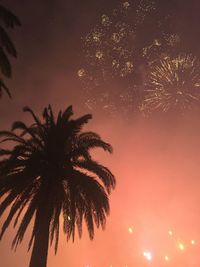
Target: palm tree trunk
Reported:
point(41, 240)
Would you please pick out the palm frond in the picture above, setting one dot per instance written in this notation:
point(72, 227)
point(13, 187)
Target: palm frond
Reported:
point(24, 223)
point(20, 201)
point(6, 43)
point(8, 200)
point(89, 135)
point(89, 223)
point(103, 173)
point(9, 19)
point(3, 87)
point(22, 207)
point(11, 137)
point(89, 143)
point(93, 201)
point(5, 152)
point(67, 114)
point(5, 65)
point(19, 125)
point(49, 116)
point(54, 229)
point(36, 119)
point(78, 123)
point(73, 127)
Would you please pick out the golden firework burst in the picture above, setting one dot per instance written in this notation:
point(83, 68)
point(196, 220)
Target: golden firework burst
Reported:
point(173, 84)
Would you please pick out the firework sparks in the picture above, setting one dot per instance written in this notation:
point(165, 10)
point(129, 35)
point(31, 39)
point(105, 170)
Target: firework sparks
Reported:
point(126, 5)
point(99, 54)
point(115, 51)
point(114, 37)
point(130, 229)
point(169, 257)
point(166, 258)
point(170, 233)
point(181, 246)
point(147, 255)
point(81, 73)
point(111, 52)
point(174, 84)
point(172, 39)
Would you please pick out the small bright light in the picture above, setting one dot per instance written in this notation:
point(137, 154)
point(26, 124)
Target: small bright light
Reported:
point(148, 255)
point(126, 5)
point(170, 233)
point(99, 54)
point(130, 230)
point(181, 246)
point(166, 258)
point(81, 73)
point(192, 242)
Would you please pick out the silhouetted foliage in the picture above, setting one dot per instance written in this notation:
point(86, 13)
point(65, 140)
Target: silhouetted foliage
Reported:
point(7, 20)
point(48, 172)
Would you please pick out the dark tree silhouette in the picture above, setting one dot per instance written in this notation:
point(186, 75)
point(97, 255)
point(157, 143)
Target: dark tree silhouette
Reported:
point(7, 20)
point(48, 172)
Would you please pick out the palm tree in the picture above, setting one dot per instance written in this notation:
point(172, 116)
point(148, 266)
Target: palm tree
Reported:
point(8, 20)
point(48, 172)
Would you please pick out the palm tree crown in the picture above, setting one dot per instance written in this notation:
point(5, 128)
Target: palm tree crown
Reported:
point(48, 172)
point(7, 20)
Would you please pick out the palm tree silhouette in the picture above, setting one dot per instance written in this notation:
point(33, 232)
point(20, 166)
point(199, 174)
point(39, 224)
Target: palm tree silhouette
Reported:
point(8, 20)
point(48, 172)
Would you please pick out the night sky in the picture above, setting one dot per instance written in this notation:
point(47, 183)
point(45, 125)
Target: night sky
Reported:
point(49, 53)
point(155, 160)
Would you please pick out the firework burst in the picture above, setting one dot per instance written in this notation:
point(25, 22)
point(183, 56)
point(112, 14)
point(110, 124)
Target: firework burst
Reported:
point(117, 52)
point(111, 46)
point(173, 85)
point(110, 57)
